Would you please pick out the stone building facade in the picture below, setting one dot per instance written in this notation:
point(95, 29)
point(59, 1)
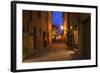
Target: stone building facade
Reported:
point(35, 31)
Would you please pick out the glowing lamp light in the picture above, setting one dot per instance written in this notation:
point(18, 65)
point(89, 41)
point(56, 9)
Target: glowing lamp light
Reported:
point(62, 27)
point(70, 27)
point(53, 37)
point(57, 38)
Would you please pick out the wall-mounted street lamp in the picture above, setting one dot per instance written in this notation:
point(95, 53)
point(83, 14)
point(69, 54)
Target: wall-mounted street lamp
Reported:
point(71, 27)
point(62, 27)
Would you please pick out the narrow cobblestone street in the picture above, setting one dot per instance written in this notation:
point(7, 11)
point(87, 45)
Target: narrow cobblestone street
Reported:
point(55, 52)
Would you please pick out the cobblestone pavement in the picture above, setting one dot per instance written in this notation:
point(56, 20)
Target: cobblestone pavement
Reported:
point(55, 52)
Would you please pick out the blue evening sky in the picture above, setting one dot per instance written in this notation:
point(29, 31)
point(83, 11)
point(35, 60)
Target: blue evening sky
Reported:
point(57, 18)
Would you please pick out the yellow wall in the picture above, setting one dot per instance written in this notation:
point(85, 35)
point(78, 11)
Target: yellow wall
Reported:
point(65, 24)
point(49, 26)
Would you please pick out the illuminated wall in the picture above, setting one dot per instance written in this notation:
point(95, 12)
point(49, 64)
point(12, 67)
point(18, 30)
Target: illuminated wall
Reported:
point(50, 26)
point(65, 26)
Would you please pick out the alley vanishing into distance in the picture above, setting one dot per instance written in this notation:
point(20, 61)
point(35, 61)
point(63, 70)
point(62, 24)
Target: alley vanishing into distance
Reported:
point(56, 52)
point(55, 36)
